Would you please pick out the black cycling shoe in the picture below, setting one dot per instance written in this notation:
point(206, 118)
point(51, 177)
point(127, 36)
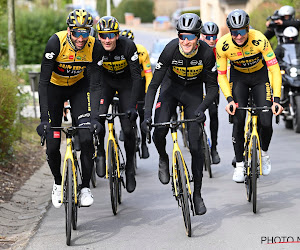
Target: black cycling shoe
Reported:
point(130, 182)
point(100, 164)
point(199, 205)
point(163, 170)
point(215, 156)
point(145, 152)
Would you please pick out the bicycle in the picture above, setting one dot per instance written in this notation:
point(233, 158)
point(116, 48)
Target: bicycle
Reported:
point(180, 177)
point(252, 150)
point(114, 168)
point(70, 191)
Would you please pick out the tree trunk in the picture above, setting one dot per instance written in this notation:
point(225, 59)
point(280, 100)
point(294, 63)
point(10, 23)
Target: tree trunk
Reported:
point(11, 36)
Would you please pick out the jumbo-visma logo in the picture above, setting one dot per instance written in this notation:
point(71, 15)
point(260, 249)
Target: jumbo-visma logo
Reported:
point(191, 71)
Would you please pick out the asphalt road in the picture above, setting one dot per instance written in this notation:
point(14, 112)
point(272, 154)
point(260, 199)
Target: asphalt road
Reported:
point(149, 217)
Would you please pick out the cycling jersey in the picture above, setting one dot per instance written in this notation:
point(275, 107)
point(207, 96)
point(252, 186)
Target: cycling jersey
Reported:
point(145, 64)
point(247, 59)
point(62, 65)
point(184, 71)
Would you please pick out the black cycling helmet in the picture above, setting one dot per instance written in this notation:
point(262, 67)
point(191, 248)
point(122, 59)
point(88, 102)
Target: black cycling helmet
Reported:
point(80, 18)
point(189, 23)
point(210, 28)
point(108, 24)
point(127, 33)
point(237, 19)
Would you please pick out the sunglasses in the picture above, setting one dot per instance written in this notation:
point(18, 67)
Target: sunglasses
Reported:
point(190, 37)
point(208, 37)
point(107, 35)
point(242, 32)
point(77, 33)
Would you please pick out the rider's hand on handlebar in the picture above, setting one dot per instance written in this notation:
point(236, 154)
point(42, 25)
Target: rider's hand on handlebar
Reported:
point(43, 128)
point(227, 108)
point(279, 110)
point(132, 114)
point(96, 128)
point(200, 116)
point(145, 125)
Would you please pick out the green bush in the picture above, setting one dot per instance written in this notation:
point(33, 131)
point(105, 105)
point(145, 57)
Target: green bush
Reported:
point(11, 102)
point(191, 11)
point(33, 30)
point(140, 8)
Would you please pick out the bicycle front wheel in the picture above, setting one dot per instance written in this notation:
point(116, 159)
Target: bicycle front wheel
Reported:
point(68, 200)
point(183, 195)
point(113, 177)
point(206, 152)
point(254, 169)
point(75, 206)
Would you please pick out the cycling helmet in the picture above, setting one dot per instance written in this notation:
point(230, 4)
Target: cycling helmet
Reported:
point(108, 24)
point(290, 34)
point(80, 18)
point(286, 11)
point(237, 19)
point(189, 23)
point(210, 28)
point(127, 33)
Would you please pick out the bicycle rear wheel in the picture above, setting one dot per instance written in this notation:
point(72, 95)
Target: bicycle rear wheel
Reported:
point(206, 152)
point(113, 177)
point(183, 195)
point(254, 168)
point(93, 176)
point(68, 200)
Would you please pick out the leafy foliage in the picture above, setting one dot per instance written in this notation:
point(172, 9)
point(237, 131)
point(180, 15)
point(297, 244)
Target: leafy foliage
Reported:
point(140, 8)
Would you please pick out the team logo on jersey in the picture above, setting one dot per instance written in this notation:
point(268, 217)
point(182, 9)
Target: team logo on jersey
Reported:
point(177, 62)
point(256, 42)
point(122, 57)
point(225, 46)
point(189, 72)
point(71, 57)
point(115, 66)
point(239, 54)
point(158, 65)
point(78, 57)
point(270, 54)
point(135, 56)
point(49, 55)
point(247, 53)
point(56, 134)
point(117, 58)
point(100, 62)
point(214, 68)
point(194, 62)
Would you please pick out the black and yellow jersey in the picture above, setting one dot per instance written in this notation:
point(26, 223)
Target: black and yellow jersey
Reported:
point(145, 64)
point(255, 54)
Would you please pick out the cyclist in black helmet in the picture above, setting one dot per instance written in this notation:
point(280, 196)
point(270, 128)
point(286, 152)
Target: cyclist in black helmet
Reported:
point(66, 56)
point(209, 34)
point(116, 70)
point(186, 63)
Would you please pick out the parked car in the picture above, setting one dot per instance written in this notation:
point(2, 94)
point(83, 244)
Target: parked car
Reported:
point(156, 50)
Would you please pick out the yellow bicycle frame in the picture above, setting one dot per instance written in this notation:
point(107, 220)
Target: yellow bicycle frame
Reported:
point(254, 133)
point(177, 149)
point(112, 138)
point(69, 155)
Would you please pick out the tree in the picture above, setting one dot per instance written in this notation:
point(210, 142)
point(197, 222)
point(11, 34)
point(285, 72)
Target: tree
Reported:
point(11, 36)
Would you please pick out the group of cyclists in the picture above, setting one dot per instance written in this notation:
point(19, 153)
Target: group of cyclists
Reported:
point(88, 72)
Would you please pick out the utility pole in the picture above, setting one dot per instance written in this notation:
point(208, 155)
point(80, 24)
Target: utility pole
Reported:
point(11, 36)
point(108, 8)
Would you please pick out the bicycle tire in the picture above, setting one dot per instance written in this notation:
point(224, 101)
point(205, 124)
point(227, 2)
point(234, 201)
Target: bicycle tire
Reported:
point(113, 177)
point(68, 201)
point(183, 195)
point(93, 176)
point(75, 206)
point(185, 136)
point(206, 152)
point(254, 167)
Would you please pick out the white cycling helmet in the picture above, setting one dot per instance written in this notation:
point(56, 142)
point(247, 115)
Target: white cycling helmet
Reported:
point(290, 34)
point(286, 11)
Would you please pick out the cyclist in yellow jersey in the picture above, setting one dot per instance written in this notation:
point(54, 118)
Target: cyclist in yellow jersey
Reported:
point(146, 74)
point(250, 56)
point(66, 56)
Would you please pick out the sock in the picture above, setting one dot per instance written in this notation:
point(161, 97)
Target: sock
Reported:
point(264, 153)
point(240, 164)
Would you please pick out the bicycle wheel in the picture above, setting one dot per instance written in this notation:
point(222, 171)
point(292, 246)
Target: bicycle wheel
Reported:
point(185, 135)
point(68, 200)
point(113, 177)
point(75, 206)
point(206, 152)
point(93, 176)
point(254, 168)
point(183, 195)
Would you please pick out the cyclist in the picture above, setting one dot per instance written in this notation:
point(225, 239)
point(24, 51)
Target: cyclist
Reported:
point(286, 17)
point(246, 48)
point(146, 74)
point(62, 78)
point(209, 34)
point(186, 62)
point(120, 70)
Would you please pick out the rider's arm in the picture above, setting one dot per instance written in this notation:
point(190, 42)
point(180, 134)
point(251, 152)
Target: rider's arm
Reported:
point(146, 65)
point(133, 62)
point(163, 63)
point(94, 70)
point(273, 67)
point(295, 23)
point(222, 71)
point(51, 52)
